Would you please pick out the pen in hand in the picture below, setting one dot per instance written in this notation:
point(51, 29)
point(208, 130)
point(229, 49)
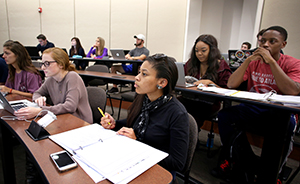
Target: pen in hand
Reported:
point(103, 114)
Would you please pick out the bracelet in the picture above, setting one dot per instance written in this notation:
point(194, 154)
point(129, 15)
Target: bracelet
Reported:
point(10, 90)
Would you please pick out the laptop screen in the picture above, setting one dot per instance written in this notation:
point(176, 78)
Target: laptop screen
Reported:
point(117, 53)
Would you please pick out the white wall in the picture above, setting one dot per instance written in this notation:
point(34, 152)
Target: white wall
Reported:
point(170, 26)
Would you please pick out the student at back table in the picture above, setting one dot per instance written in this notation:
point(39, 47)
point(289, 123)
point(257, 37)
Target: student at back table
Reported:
point(266, 70)
point(43, 43)
point(138, 53)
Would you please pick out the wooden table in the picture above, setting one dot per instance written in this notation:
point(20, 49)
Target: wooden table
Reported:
point(39, 151)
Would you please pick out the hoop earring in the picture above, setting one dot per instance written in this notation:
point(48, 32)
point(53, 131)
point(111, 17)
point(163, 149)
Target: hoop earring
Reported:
point(159, 87)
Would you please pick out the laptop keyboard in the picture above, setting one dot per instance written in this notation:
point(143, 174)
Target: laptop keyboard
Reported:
point(17, 106)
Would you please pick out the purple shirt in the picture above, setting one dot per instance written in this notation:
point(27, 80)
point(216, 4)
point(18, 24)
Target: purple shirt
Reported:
point(93, 51)
point(25, 81)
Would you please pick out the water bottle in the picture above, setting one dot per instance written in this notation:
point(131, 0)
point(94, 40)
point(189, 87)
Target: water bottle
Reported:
point(211, 138)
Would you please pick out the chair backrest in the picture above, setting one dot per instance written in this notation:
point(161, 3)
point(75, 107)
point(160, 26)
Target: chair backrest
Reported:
point(98, 68)
point(193, 138)
point(97, 98)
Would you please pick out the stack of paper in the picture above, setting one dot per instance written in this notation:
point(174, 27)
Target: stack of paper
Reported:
point(117, 158)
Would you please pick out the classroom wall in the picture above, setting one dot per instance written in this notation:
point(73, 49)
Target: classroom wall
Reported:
point(285, 14)
point(170, 26)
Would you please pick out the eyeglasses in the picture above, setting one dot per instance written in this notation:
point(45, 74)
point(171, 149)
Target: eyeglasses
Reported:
point(46, 63)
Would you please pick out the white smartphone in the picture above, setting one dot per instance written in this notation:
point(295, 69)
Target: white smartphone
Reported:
point(63, 160)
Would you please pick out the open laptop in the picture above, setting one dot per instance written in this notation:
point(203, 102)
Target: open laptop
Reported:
point(181, 76)
point(32, 50)
point(16, 105)
point(237, 57)
point(117, 53)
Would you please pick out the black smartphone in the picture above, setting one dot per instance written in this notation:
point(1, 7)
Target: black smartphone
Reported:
point(63, 160)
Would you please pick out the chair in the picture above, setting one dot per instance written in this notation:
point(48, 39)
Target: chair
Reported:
point(126, 96)
point(97, 98)
point(99, 82)
point(193, 138)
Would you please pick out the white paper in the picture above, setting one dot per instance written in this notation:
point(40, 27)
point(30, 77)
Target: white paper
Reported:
point(116, 157)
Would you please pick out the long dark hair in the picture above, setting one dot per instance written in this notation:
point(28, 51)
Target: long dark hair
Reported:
point(22, 58)
point(166, 68)
point(214, 56)
point(78, 46)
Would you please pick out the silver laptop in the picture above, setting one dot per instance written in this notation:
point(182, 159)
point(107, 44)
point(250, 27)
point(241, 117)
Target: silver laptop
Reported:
point(11, 107)
point(117, 53)
point(181, 76)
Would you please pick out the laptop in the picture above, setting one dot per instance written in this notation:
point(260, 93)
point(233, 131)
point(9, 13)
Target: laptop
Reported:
point(237, 57)
point(32, 50)
point(15, 105)
point(117, 54)
point(181, 76)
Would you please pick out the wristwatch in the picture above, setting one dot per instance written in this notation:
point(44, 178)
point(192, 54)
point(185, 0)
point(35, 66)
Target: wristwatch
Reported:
point(132, 57)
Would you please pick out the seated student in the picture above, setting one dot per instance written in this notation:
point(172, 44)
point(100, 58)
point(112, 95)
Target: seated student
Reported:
point(206, 65)
point(3, 71)
point(98, 51)
point(23, 78)
point(43, 43)
point(277, 72)
point(64, 87)
point(75, 51)
point(138, 53)
point(156, 117)
point(246, 46)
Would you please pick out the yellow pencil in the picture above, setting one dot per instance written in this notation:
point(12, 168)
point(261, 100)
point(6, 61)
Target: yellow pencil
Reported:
point(102, 113)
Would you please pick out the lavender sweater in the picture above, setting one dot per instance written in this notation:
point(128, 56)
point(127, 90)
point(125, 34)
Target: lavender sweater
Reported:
point(68, 96)
point(93, 51)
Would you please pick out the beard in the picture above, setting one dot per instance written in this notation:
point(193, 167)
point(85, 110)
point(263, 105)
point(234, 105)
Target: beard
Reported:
point(138, 44)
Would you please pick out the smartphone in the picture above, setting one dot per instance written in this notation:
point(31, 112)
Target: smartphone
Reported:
point(63, 160)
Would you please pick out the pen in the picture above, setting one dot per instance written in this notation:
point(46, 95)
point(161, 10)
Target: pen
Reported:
point(102, 114)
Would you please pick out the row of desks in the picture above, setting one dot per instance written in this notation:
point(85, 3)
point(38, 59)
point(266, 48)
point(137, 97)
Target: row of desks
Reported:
point(274, 144)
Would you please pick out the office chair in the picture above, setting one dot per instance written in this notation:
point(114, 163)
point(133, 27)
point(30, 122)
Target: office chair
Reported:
point(193, 138)
point(97, 98)
point(99, 82)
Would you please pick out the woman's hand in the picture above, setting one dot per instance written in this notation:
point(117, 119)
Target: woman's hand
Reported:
point(108, 122)
point(41, 101)
point(128, 132)
point(27, 113)
point(4, 89)
point(205, 82)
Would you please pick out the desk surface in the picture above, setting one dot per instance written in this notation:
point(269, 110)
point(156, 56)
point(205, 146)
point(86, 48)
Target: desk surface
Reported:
point(41, 150)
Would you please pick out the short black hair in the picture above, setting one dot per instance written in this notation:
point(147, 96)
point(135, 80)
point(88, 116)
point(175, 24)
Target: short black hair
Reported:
point(280, 29)
point(41, 36)
point(260, 33)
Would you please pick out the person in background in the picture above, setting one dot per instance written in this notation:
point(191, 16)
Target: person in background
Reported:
point(206, 65)
point(23, 78)
point(98, 51)
point(246, 46)
point(63, 86)
point(276, 72)
point(140, 52)
point(43, 43)
point(3, 70)
point(77, 50)
point(156, 117)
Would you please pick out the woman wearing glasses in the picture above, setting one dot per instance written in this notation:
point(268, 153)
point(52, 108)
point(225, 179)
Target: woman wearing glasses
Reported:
point(155, 116)
point(23, 78)
point(64, 87)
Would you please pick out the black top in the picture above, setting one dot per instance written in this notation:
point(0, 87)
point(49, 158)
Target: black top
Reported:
point(42, 48)
point(168, 131)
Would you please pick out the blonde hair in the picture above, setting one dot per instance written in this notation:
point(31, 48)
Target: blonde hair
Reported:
point(61, 57)
point(102, 43)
